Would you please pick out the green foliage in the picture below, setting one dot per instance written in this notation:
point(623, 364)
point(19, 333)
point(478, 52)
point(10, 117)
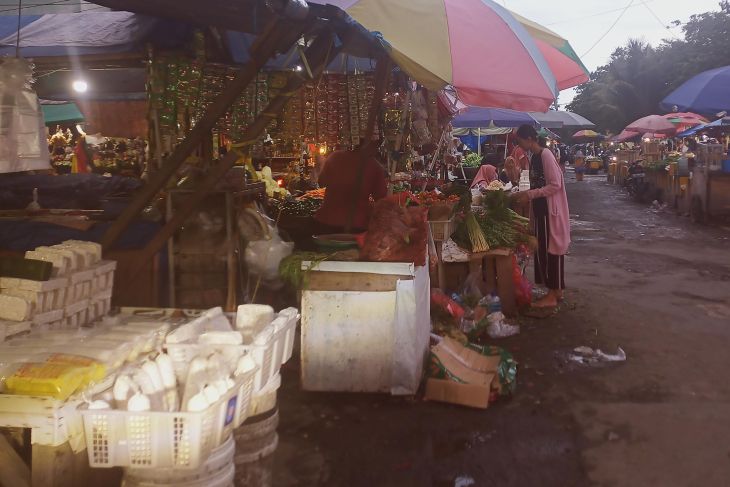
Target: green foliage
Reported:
point(639, 76)
point(472, 160)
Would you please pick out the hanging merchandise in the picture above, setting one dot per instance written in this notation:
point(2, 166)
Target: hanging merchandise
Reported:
point(22, 130)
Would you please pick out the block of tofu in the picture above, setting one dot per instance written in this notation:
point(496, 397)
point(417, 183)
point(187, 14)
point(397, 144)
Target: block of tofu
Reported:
point(60, 260)
point(82, 256)
point(14, 308)
point(93, 248)
point(75, 260)
point(57, 260)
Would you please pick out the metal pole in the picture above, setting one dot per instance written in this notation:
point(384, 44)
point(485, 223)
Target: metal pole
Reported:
point(17, 38)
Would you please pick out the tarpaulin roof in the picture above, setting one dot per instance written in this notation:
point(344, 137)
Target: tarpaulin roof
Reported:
point(484, 117)
point(88, 33)
point(61, 112)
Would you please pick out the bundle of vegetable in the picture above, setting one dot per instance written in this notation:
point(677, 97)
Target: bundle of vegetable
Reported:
point(470, 236)
point(472, 160)
point(504, 232)
point(290, 268)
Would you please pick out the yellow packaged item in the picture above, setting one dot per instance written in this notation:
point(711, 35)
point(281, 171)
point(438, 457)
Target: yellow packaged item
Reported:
point(56, 380)
point(97, 370)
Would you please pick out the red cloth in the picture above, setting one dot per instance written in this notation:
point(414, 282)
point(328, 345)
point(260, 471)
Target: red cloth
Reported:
point(521, 159)
point(486, 174)
point(339, 176)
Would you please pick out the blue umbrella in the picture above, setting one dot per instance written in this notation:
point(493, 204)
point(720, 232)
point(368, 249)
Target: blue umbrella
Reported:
point(720, 122)
point(707, 93)
point(484, 117)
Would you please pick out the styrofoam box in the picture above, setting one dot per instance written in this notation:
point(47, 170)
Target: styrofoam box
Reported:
point(45, 295)
point(181, 440)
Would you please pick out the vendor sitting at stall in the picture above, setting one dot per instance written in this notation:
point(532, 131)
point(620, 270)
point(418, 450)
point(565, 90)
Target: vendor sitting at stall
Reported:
point(351, 178)
point(486, 174)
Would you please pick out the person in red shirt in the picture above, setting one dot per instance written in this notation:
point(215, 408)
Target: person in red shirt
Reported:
point(346, 205)
point(520, 157)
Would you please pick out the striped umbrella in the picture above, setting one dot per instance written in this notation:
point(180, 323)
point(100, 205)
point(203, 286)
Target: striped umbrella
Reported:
point(476, 46)
point(568, 69)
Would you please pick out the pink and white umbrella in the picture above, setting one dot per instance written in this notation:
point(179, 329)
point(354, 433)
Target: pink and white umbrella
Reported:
point(476, 46)
point(652, 123)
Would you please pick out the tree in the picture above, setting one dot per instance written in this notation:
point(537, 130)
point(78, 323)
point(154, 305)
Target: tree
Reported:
point(638, 76)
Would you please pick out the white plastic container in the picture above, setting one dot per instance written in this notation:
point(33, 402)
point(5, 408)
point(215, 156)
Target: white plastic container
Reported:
point(265, 399)
point(223, 478)
point(180, 440)
point(104, 276)
point(220, 459)
point(76, 314)
point(45, 295)
point(80, 283)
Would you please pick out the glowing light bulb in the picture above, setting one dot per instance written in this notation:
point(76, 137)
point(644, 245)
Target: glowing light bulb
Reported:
point(80, 86)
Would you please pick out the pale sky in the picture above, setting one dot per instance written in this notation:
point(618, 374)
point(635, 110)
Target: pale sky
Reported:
point(583, 22)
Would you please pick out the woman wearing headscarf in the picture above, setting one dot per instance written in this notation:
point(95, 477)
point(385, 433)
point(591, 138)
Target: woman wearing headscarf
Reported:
point(550, 215)
point(486, 174)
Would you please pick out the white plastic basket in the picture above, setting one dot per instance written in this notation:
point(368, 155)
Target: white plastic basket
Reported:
point(269, 356)
point(100, 305)
point(45, 295)
point(220, 459)
point(76, 314)
point(103, 276)
point(180, 440)
point(8, 329)
point(80, 283)
point(52, 320)
point(221, 478)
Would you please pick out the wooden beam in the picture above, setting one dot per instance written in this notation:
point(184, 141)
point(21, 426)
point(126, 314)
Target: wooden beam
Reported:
point(321, 51)
point(276, 33)
point(13, 471)
point(382, 73)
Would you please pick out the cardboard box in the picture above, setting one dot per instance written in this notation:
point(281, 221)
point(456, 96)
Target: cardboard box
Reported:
point(460, 375)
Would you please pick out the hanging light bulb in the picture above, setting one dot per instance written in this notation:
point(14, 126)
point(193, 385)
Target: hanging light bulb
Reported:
point(80, 86)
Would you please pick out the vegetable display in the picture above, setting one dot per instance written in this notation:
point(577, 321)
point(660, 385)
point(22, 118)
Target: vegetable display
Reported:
point(472, 160)
point(304, 207)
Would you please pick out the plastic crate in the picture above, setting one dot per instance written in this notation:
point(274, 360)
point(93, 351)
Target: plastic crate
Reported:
point(52, 320)
point(180, 440)
point(45, 295)
point(80, 284)
point(76, 314)
point(8, 329)
point(441, 230)
point(218, 461)
point(99, 305)
point(104, 276)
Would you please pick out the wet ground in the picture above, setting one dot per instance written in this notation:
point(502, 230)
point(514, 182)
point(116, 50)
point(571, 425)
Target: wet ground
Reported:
point(642, 279)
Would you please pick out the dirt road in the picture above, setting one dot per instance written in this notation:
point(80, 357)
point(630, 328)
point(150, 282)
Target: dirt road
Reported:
point(645, 280)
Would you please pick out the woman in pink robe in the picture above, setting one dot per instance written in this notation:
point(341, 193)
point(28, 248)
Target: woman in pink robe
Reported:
point(486, 174)
point(550, 215)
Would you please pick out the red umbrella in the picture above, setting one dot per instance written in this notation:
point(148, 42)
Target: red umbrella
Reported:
point(685, 115)
point(652, 123)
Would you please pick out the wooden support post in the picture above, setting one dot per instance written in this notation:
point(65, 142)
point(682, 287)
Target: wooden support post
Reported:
point(269, 42)
point(13, 471)
point(319, 54)
point(382, 72)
